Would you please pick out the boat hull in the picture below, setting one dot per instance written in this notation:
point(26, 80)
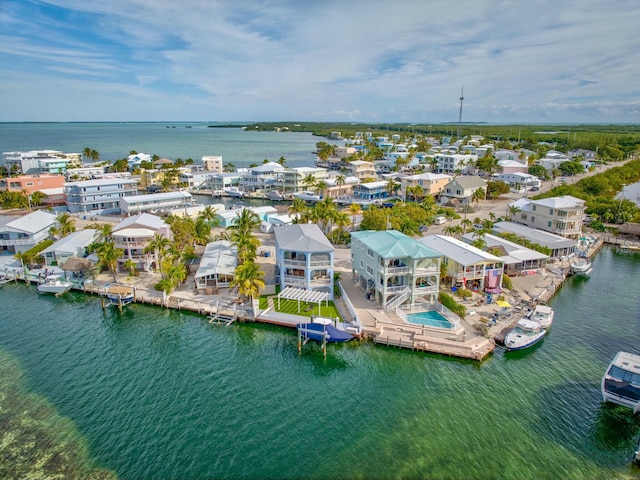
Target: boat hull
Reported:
point(54, 289)
point(318, 331)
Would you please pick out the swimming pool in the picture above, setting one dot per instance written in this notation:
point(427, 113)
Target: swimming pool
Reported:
point(430, 318)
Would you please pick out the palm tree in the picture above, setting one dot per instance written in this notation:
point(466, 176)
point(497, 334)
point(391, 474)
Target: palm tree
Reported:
point(157, 245)
point(246, 244)
point(282, 161)
point(248, 279)
point(465, 223)
point(340, 181)
point(512, 210)
point(66, 224)
point(177, 273)
point(321, 187)
point(208, 214)
point(108, 256)
point(433, 163)
point(392, 187)
point(355, 209)
point(131, 266)
point(309, 181)
point(297, 208)
point(246, 222)
point(449, 230)
point(477, 195)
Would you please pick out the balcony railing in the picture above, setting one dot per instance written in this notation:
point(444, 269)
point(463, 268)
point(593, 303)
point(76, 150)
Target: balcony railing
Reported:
point(392, 289)
point(18, 241)
point(303, 263)
point(394, 270)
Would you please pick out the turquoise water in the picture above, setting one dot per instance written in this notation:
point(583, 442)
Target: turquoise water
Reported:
point(116, 140)
point(431, 319)
point(161, 394)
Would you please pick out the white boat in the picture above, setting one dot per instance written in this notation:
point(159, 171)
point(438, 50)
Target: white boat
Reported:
point(308, 196)
point(525, 334)
point(233, 192)
point(55, 285)
point(274, 195)
point(621, 381)
point(581, 266)
point(543, 315)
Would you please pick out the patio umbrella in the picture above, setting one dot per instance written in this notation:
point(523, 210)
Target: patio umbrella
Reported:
point(503, 304)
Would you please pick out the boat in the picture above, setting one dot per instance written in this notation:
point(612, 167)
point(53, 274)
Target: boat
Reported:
point(581, 266)
point(55, 285)
point(308, 196)
point(322, 328)
point(274, 195)
point(621, 381)
point(233, 192)
point(525, 334)
point(543, 315)
point(119, 295)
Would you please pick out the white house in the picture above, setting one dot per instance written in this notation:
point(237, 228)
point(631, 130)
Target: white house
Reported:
point(23, 233)
point(73, 245)
point(217, 266)
point(559, 215)
point(155, 201)
point(133, 234)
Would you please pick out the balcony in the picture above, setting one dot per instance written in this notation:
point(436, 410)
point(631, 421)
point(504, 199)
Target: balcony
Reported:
point(391, 289)
point(394, 270)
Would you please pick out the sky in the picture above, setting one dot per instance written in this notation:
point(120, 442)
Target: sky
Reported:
point(370, 61)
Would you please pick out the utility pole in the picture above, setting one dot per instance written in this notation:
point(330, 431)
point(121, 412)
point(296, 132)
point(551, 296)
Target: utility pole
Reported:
point(460, 115)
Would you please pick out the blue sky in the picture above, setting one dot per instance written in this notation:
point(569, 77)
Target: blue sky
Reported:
point(320, 60)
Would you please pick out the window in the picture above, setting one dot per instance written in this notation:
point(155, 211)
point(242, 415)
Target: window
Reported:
point(523, 216)
point(370, 252)
point(551, 211)
point(29, 184)
point(549, 224)
point(533, 207)
point(361, 263)
point(369, 270)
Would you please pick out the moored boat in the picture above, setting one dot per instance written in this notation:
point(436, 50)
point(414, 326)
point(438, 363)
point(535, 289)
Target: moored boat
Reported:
point(581, 266)
point(307, 196)
point(320, 328)
point(54, 285)
point(233, 192)
point(274, 195)
point(621, 381)
point(525, 334)
point(543, 315)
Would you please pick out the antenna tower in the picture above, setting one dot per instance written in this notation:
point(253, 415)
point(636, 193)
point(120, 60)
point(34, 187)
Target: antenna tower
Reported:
point(460, 116)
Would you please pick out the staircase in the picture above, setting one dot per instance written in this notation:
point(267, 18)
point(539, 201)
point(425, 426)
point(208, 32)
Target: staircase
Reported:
point(397, 300)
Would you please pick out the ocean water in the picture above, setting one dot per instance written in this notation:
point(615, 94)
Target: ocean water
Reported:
point(159, 394)
point(116, 140)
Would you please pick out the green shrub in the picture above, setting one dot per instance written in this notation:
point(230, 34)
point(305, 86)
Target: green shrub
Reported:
point(506, 282)
point(451, 304)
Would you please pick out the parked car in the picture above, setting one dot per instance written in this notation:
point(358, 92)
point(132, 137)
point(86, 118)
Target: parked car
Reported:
point(534, 189)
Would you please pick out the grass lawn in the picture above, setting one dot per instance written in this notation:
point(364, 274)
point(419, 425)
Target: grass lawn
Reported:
point(307, 309)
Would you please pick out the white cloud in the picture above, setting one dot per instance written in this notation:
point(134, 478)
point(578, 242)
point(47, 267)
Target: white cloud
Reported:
point(370, 61)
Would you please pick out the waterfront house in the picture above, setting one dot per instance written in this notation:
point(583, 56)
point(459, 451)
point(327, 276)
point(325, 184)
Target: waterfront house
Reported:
point(26, 232)
point(582, 153)
point(40, 161)
point(517, 260)
point(101, 195)
point(361, 169)
point(462, 188)
point(73, 245)
point(155, 202)
point(263, 178)
point(304, 258)
point(218, 181)
point(559, 247)
point(370, 191)
point(31, 183)
point(133, 234)
point(467, 266)
point(212, 163)
point(393, 268)
point(294, 178)
point(559, 215)
point(217, 267)
point(85, 172)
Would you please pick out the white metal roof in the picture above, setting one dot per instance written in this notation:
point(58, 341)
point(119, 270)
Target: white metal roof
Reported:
point(457, 250)
point(302, 238)
point(32, 222)
point(540, 237)
point(150, 197)
point(218, 258)
point(72, 242)
point(145, 220)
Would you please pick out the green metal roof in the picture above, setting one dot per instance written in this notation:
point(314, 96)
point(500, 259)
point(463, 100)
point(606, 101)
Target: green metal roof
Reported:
point(393, 244)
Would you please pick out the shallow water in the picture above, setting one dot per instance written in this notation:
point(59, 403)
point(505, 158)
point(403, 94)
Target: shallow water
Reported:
point(163, 394)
